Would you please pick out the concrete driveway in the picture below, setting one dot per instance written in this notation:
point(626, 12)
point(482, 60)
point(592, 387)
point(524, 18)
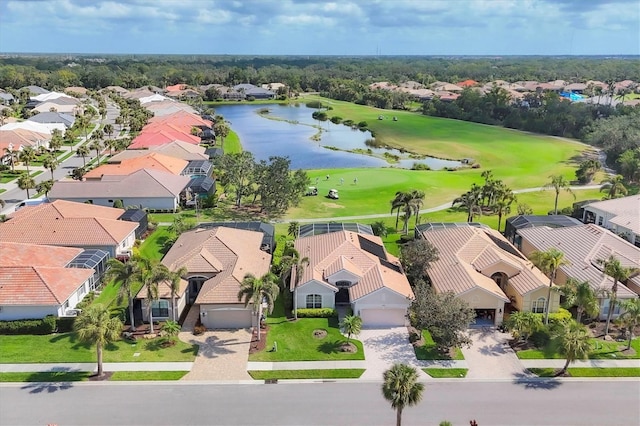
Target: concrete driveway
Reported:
point(385, 347)
point(490, 356)
point(222, 355)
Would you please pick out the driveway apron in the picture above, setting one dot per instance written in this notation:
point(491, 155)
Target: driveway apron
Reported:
point(490, 356)
point(385, 347)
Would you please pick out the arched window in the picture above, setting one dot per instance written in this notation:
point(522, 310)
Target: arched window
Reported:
point(314, 301)
point(538, 305)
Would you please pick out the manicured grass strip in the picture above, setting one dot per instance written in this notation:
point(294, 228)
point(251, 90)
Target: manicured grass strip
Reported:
point(346, 373)
point(429, 350)
point(65, 347)
point(232, 144)
point(49, 376)
point(600, 350)
point(442, 373)
point(590, 372)
point(146, 375)
point(153, 246)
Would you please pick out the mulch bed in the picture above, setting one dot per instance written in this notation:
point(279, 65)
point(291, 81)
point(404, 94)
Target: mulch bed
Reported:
point(258, 345)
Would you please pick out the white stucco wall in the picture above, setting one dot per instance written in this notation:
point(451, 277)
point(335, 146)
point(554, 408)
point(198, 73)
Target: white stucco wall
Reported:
point(383, 298)
point(10, 313)
point(160, 203)
point(481, 299)
point(314, 287)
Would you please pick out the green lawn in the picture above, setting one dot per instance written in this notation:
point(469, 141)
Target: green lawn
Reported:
point(600, 350)
point(429, 351)
point(153, 245)
point(232, 143)
point(590, 372)
point(353, 373)
point(442, 373)
point(65, 347)
point(76, 376)
point(146, 375)
point(295, 340)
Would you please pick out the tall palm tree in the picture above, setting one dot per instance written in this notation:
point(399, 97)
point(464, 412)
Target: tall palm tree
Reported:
point(614, 186)
point(549, 262)
point(45, 186)
point(470, 200)
point(27, 156)
point(96, 326)
point(401, 388)
point(292, 270)
point(56, 140)
point(351, 325)
point(397, 203)
point(96, 145)
point(83, 151)
point(631, 316)
point(613, 268)
point(574, 342)
point(258, 290)
point(416, 203)
point(12, 156)
point(50, 162)
point(152, 274)
point(128, 275)
point(26, 182)
point(580, 294)
point(174, 280)
point(293, 229)
point(558, 183)
point(504, 198)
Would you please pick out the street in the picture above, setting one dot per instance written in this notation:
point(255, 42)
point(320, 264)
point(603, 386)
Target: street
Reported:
point(510, 402)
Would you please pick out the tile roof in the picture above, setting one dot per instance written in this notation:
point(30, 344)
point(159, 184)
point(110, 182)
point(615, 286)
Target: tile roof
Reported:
point(67, 209)
point(626, 211)
point(464, 252)
point(162, 137)
point(583, 246)
point(20, 254)
point(164, 290)
point(149, 161)
point(182, 118)
point(227, 253)
point(329, 253)
point(40, 285)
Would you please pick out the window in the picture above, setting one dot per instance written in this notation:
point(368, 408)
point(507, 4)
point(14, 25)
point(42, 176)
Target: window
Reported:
point(81, 291)
point(314, 301)
point(605, 308)
point(343, 284)
point(600, 219)
point(160, 309)
point(538, 305)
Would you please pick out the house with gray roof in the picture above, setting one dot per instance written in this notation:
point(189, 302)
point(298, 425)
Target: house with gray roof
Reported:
point(620, 215)
point(54, 117)
point(254, 91)
point(6, 98)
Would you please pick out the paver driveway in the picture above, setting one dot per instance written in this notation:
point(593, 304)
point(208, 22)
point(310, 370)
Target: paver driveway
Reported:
point(222, 355)
point(385, 347)
point(490, 356)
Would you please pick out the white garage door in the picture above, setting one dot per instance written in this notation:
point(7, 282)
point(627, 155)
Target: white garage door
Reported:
point(383, 317)
point(227, 318)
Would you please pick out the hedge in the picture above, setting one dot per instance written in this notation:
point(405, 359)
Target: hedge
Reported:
point(557, 317)
point(317, 313)
point(47, 325)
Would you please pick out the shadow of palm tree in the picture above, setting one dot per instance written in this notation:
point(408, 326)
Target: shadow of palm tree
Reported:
point(53, 381)
point(529, 382)
point(330, 347)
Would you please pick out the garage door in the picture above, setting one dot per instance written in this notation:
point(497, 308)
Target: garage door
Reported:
point(383, 317)
point(227, 318)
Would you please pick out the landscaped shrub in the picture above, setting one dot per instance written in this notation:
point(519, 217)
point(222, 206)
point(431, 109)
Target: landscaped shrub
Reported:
point(314, 104)
point(540, 337)
point(420, 166)
point(336, 119)
point(557, 317)
point(46, 325)
point(65, 324)
point(363, 124)
point(317, 313)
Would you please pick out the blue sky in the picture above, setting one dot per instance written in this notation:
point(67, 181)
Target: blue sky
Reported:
point(311, 27)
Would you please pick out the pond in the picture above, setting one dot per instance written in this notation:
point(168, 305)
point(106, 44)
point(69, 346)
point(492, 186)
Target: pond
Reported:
point(289, 130)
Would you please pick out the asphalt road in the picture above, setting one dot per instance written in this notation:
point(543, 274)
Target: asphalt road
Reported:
point(551, 402)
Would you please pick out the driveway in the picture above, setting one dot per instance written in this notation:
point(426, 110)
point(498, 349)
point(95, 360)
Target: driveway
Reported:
point(490, 356)
point(385, 347)
point(222, 355)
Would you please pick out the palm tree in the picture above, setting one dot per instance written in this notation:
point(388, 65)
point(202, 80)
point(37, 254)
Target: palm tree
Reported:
point(292, 270)
point(97, 146)
point(401, 388)
point(397, 202)
point(12, 156)
point(614, 186)
point(128, 275)
point(613, 268)
point(523, 323)
point(580, 294)
point(574, 342)
point(26, 182)
point(257, 291)
point(27, 156)
point(96, 326)
point(470, 200)
point(294, 229)
point(83, 151)
point(56, 140)
point(630, 317)
point(504, 198)
point(50, 162)
point(416, 203)
point(549, 262)
point(351, 325)
point(108, 129)
point(171, 328)
point(558, 183)
point(45, 186)
point(174, 280)
point(152, 274)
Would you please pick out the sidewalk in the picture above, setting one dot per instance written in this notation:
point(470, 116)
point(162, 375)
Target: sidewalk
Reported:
point(591, 363)
point(91, 366)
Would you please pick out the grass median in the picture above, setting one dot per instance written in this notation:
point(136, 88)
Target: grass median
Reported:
point(589, 372)
point(353, 373)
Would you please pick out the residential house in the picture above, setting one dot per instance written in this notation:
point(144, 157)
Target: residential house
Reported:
point(249, 90)
point(514, 223)
point(353, 270)
point(54, 117)
point(68, 224)
point(585, 247)
point(37, 280)
point(619, 215)
point(151, 189)
point(6, 98)
point(175, 149)
point(468, 83)
point(217, 260)
point(151, 161)
point(34, 90)
point(76, 91)
point(482, 268)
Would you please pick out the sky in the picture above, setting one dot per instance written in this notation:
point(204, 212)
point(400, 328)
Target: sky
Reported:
point(313, 27)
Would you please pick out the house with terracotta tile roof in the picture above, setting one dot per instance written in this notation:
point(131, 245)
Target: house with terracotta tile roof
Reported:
point(481, 267)
point(217, 260)
point(585, 246)
point(151, 189)
point(68, 224)
point(149, 161)
point(347, 268)
point(176, 149)
point(36, 281)
point(468, 83)
point(619, 215)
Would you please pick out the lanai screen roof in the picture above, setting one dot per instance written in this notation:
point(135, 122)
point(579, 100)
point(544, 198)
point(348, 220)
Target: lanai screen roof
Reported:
point(325, 228)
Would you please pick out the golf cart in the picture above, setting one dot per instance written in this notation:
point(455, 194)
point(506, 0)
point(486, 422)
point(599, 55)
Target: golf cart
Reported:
point(333, 193)
point(312, 190)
